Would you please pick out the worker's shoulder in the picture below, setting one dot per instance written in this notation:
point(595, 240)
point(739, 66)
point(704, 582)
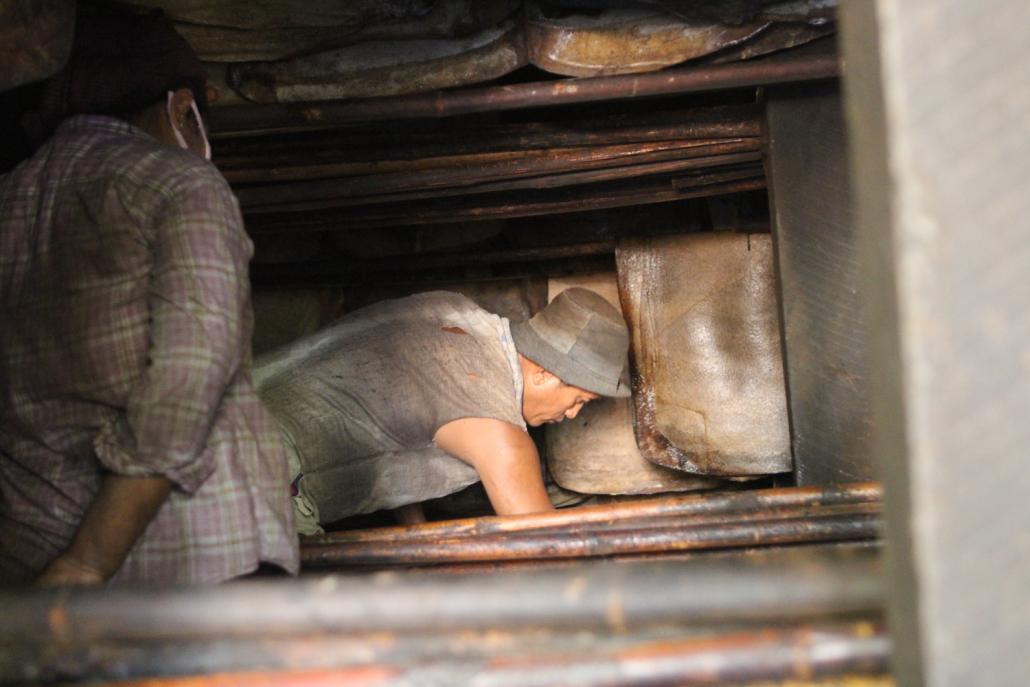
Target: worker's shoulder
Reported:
point(179, 171)
point(443, 301)
point(429, 306)
point(424, 315)
point(448, 311)
point(108, 148)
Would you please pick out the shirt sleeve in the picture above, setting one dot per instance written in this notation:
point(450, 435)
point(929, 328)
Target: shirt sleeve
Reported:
point(198, 299)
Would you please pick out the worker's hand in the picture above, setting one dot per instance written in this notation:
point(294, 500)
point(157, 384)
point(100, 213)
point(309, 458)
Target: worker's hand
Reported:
point(117, 516)
point(67, 571)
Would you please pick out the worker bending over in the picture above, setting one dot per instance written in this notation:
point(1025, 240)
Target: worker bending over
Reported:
point(416, 398)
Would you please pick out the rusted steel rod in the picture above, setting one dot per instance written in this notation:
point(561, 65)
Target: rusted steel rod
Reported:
point(714, 164)
point(500, 658)
point(639, 525)
point(450, 103)
point(507, 205)
point(775, 654)
point(706, 504)
point(549, 159)
point(332, 148)
point(592, 537)
point(595, 543)
point(766, 516)
point(772, 654)
point(470, 173)
point(326, 273)
point(436, 261)
point(412, 140)
point(759, 587)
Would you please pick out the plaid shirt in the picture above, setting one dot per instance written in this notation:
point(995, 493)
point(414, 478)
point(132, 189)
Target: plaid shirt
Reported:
point(125, 327)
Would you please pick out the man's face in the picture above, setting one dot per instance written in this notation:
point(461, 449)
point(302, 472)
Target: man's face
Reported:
point(547, 399)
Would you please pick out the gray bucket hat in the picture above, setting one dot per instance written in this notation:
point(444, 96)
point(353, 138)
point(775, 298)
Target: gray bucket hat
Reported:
point(581, 338)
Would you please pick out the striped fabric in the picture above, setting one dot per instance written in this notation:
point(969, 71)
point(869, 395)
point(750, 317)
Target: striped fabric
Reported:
point(125, 328)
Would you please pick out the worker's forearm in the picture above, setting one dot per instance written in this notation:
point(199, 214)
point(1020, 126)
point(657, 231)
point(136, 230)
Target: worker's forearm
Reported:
point(515, 485)
point(410, 514)
point(117, 516)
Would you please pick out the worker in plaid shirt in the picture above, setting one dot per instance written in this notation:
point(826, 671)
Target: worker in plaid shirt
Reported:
point(133, 446)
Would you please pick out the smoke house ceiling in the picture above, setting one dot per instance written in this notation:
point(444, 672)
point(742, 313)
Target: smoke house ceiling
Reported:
point(282, 51)
point(351, 118)
point(423, 115)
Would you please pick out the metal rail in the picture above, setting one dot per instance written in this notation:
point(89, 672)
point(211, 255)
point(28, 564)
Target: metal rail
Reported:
point(251, 119)
point(770, 615)
point(706, 504)
point(775, 584)
point(811, 652)
point(652, 538)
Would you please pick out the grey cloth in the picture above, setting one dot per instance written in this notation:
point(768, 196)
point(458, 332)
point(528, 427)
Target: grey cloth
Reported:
point(361, 401)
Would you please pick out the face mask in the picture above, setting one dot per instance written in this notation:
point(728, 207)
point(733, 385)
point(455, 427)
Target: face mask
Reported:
point(200, 125)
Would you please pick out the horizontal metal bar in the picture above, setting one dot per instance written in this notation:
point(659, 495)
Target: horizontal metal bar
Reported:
point(521, 163)
point(600, 542)
point(715, 503)
point(409, 139)
point(511, 204)
point(450, 103)
point(629, 536)
point(444, 170)
point(435, 261)
point(325, 273)
point(758, 587)
point(465, 183)
point(496, 657)
point(400, 143)
point(774, 654)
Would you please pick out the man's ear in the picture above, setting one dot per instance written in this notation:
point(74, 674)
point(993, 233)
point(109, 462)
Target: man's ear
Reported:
point(182, 99)
point(543, 378)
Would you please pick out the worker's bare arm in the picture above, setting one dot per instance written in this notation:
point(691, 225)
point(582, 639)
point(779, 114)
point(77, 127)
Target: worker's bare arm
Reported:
point(121, 510)
point(410, 514)
point(505, 458)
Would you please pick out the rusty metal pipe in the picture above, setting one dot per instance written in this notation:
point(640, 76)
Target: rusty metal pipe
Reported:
point(774, 654)
point(507, 205)
point(697, 521)
point(677, 81)
point(636, 526)
point(326, 273)
point(759, 587)
point(473, 173)
point(395, 151)
point(473, 169)
point(710, 504)
point(463, 186)
point(410, 140)
point(595, 543)
point(497, 657)
point(435, 261)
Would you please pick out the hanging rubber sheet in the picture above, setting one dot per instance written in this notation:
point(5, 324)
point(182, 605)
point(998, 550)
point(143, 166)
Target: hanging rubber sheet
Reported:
point(708, 380)
point(596, 452)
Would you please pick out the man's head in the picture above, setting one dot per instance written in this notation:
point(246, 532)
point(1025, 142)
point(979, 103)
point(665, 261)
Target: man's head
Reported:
point(132, 66)
point(572, 352)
